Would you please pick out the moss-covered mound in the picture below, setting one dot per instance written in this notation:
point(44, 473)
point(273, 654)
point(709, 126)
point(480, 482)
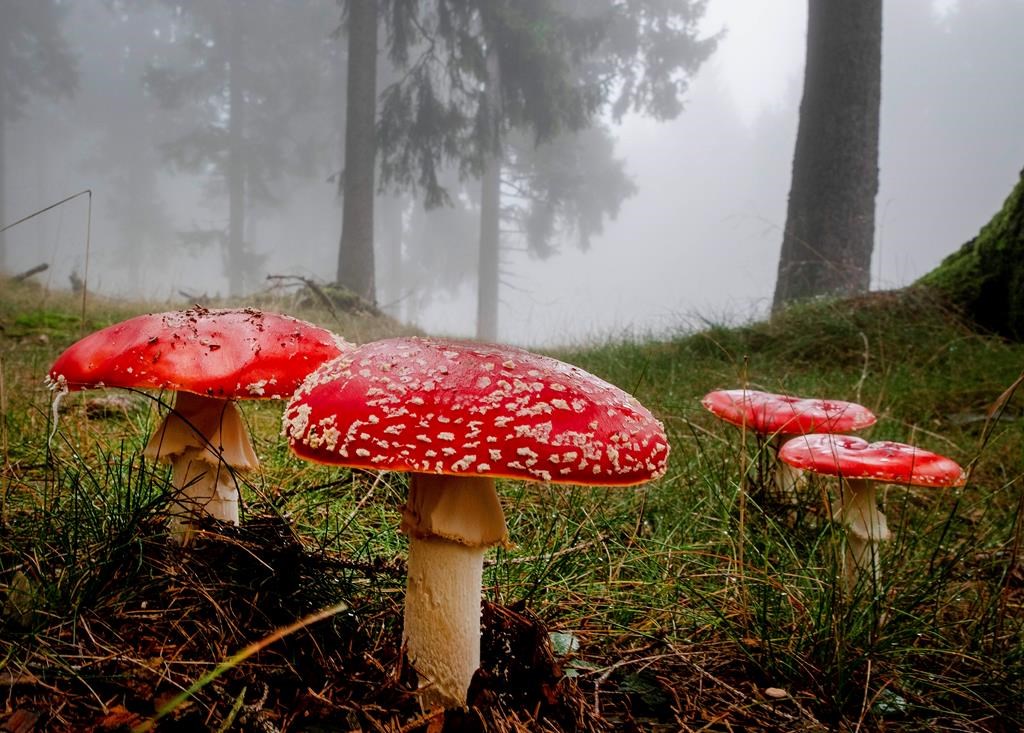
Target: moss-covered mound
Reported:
point(985, 277)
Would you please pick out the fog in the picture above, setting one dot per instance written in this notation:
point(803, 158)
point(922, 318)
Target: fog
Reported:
point(698, 242)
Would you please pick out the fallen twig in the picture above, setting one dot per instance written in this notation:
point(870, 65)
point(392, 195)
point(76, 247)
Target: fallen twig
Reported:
point(42, 267)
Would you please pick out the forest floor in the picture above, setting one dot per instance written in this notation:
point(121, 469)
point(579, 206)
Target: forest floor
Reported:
point(697, 602)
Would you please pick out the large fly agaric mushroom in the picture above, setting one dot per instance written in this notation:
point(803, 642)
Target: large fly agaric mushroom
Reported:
point(859, 466)
point(456, 416)
point(779, 417)
point(211, 358)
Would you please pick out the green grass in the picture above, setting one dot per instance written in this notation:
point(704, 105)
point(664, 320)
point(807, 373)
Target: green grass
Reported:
point(689, 597)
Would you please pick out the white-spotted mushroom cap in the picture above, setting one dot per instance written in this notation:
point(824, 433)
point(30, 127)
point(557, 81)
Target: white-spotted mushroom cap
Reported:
point(766, 413)
point(885, 461)
point(449, 407)
point(229, 354)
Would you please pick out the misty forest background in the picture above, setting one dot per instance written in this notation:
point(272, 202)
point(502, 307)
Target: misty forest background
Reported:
point(630, 185)
point(192, 201)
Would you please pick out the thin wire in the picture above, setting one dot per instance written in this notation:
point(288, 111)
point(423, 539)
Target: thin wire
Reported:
point(88, 237)
point(44, 210)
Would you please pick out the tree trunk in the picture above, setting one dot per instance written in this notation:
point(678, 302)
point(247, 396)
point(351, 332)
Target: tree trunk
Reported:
point(355, 253)
point(490, 214)
point(137, 220)
point(985, 277)
point(3, 190)
point(490, 247)
point(830, 222)
point(391, 231)
point(3, 162)
point(236, 264)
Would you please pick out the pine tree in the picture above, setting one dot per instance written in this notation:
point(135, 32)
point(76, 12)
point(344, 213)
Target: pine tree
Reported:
point(355, 252)
point(830, 222)
point(238, 78)
point(542, 67)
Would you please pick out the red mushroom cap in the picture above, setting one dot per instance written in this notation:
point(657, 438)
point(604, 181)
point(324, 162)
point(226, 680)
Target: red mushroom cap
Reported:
point(766, 413)
point(244, 354)
point(886, 461)
point(436, 406)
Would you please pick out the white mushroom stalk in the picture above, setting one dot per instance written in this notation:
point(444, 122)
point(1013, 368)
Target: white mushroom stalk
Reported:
point(450, 522)
point(205, 441)
point(857, 509)
point(787, 478)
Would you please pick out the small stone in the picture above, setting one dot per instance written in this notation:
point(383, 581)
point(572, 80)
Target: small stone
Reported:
point(563, 643)
point(775, 693)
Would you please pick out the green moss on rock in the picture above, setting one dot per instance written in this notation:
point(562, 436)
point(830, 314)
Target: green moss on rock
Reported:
point(985, 277)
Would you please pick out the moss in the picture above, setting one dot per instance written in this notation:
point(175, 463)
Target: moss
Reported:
point(985, 277)
point(50, 322)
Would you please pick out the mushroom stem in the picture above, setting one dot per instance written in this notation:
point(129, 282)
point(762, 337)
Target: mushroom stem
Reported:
point(442, 619)
point(201, 488)
point(787, 478)
point(201, 438)
point(450, 521)
point(857, 508)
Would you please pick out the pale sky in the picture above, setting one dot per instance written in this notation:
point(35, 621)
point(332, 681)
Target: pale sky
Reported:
point(762, 55)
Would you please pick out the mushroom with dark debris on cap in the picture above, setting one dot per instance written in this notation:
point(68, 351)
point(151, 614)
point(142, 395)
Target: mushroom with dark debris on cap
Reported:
point(778, 418)
point(456, 416)
point(860, 466)
point(211, 358)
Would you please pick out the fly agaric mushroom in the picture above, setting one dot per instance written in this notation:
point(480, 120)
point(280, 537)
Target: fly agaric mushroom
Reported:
point(456, 416)
point(781, 417)
point(211, 358)
point(859, 466)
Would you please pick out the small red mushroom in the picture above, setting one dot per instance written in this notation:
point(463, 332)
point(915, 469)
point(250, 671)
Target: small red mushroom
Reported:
point(456, 416)
point(780, 417)
point(860, 465)
point(211, 358)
